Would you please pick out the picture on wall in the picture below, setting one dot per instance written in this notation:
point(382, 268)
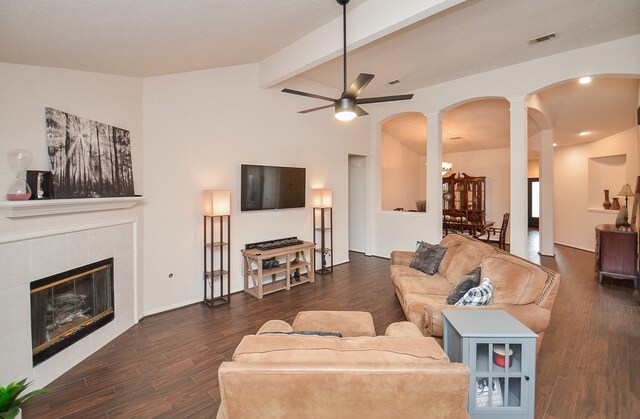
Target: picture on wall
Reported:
point(88, 159)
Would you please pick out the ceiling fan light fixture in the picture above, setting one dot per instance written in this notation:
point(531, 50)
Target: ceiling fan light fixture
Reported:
point(345, 109)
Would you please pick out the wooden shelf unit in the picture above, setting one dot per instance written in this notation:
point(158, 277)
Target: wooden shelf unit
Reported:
point(323, 234)
point(464, 196)
point(217, 259)
point(295, 260)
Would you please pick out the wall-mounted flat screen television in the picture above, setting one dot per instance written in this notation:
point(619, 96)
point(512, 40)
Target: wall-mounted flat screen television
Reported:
point(272, 187)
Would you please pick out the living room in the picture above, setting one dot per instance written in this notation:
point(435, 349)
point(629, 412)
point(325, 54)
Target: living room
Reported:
point(191, 130)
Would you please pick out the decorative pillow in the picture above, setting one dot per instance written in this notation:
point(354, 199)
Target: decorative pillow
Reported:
point(305, 333)
point(470, 280)
point(478, 296)
point(428, 258)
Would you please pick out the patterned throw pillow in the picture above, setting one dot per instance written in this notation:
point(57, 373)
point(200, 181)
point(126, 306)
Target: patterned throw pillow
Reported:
point(478, 296)
point(470, 280)
point(428, 258)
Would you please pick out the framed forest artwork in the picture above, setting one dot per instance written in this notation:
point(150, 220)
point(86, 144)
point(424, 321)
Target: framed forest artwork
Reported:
point(88, 159)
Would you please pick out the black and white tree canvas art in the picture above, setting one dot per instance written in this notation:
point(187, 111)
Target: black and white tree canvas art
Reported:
point(88, 159)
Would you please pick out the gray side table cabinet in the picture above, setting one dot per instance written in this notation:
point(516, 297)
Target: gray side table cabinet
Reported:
point(499, 386)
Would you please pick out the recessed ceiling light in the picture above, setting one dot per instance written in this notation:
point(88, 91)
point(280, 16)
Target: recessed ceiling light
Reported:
point(584, 80)
point(583, 133)
point(555, 144)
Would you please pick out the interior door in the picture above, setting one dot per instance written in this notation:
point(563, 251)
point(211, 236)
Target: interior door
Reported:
point(534, 202)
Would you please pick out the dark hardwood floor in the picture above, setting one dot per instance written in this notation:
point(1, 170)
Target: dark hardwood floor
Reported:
point(166, 366)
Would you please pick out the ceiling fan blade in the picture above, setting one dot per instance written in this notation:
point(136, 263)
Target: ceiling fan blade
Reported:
point(316, 109)
point(359, 84)
point(360, 111)
point(297, 92)
point(383, 99)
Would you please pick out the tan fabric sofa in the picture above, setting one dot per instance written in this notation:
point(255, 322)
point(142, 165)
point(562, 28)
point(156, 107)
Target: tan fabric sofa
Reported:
point(523, 289)
point(402, 374)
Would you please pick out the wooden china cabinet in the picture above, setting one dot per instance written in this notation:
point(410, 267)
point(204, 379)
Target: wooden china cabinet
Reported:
point(464, 196)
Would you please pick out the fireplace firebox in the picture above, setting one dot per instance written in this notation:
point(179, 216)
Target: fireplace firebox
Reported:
point(70, 305)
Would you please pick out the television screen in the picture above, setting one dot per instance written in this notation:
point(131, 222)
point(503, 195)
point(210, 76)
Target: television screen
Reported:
point(272, 187)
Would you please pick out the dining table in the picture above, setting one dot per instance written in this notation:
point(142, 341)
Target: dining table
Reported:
point(475, 229)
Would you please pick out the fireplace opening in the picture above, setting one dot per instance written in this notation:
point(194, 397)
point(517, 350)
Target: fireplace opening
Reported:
point(68, 306)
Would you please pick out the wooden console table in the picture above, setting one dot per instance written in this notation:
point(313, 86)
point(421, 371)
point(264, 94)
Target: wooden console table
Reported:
point(616, 253)
point(292, 259)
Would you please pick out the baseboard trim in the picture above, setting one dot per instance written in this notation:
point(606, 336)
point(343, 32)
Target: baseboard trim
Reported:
point(575, 247)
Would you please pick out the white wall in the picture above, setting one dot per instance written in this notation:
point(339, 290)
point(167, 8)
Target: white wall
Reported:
point(533, 168)
point(33, 247)
point(357, 203)
point(199, 128)
point(26, 91)
point(616, 57)
point(574, 221)
point(403, 175)
point(494, 165)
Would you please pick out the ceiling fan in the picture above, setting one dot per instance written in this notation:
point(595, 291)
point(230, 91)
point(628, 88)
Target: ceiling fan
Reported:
point(346, 107)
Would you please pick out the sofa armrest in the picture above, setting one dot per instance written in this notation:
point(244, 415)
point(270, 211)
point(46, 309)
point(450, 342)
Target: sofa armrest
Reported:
point(401, 257)
point(275, 326)
point(534, 317)
point(403, 330)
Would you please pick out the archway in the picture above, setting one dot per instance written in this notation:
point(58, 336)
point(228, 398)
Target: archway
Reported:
point(402, 162)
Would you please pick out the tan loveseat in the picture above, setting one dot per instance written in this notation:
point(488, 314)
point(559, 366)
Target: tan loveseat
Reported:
point(522, 288)
point(402, 374)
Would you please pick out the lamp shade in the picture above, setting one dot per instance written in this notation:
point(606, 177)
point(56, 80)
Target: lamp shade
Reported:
point(216, 203)
point(322, 198)
point(626, 190)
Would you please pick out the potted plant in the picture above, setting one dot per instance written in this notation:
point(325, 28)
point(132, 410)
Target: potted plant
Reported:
point(10, 399)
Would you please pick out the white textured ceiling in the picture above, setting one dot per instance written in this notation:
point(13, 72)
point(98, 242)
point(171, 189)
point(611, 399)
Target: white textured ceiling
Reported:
point(153, 37)
point(478, 36)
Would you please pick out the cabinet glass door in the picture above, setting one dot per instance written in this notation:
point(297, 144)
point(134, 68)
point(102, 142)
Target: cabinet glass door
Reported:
point(500, 375)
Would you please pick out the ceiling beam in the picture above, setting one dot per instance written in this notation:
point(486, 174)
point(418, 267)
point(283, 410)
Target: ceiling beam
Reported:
point(366, 23)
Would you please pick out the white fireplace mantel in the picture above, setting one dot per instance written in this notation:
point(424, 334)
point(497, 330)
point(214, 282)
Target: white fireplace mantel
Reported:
point(36, 208)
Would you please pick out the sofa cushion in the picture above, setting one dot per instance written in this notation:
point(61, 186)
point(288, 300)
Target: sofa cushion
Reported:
point(470, 280)
point(478, 296)
point(316, 349)
point(427, 258)
point(468, 256)
point(452, 242)
point(436, 284)
point(514, 280)
point(348, 323)
point(304, 333)
point(402, 271)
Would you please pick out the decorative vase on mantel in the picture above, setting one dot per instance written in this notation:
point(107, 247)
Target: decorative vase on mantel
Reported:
point(606, 204)
point(615, 205)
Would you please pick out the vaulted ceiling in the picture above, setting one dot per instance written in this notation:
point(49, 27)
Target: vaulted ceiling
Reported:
point(420, 44)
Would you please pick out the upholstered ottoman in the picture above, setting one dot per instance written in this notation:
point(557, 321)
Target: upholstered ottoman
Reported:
point(349, 323)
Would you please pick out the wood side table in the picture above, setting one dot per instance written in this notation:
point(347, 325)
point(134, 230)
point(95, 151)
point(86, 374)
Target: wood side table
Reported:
point(616, 253)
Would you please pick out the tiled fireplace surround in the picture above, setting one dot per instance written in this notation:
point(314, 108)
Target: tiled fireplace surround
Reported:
point(28, 258)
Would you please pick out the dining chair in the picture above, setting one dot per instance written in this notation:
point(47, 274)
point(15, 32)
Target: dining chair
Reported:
point(502, 231)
